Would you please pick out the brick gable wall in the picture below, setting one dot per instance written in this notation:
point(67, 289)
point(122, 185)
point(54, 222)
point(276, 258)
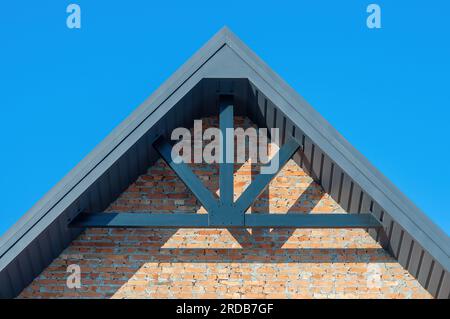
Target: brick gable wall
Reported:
point(218, 263)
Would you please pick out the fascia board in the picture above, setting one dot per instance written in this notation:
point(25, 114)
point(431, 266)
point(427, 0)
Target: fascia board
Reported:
point(401, 209)
point(52, 201)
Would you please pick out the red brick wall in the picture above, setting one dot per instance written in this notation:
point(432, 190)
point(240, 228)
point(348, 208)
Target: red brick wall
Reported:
point(217, 263)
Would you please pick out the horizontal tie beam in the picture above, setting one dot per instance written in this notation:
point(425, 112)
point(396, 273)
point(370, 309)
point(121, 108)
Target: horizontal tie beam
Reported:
point(137, 220)
point(311, 221)
point(193, 220)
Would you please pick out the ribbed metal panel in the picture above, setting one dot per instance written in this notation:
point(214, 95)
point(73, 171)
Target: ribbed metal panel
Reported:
point(444, 289)
point(200, 102)
point(435, 279)
point(269, 102)
point(353, 198)
point(404, 255)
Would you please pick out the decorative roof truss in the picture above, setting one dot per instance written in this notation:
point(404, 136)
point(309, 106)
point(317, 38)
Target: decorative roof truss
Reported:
point(224, 211)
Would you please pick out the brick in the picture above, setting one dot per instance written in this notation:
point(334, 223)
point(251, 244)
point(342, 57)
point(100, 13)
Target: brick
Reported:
point(212, 263)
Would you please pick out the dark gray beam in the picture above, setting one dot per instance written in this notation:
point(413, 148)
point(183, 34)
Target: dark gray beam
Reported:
point(261, 181)
point(188, 177)
point(226, 214)
point(311, 221)
point(226, 170)
point(192, 220)
point(136, 220)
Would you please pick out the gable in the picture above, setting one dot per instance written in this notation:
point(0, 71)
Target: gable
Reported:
point(226, 263)
point(31, 244)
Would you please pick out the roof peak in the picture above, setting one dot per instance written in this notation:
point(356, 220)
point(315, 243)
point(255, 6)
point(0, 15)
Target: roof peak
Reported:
point(224, 56)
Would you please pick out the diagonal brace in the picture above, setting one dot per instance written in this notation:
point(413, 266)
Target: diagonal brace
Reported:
point(260, 183)
point(188, 177)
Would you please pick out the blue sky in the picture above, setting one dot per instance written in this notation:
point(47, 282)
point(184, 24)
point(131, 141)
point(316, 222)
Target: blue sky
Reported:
point(62, 91)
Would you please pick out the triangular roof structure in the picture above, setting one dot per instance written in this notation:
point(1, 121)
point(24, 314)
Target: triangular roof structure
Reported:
point(224, 64)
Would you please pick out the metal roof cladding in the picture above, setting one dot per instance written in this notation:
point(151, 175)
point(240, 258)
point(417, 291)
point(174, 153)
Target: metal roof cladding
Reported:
point(224, 65)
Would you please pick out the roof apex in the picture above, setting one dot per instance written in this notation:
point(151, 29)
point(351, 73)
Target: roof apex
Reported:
point(224, 44)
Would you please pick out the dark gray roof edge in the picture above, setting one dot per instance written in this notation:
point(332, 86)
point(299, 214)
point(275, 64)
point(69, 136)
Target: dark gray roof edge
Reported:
point(407, 213)
point(428, 235)
point(82, 169)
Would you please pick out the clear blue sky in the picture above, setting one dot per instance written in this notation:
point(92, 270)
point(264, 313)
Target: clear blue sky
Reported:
point(62, 91)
